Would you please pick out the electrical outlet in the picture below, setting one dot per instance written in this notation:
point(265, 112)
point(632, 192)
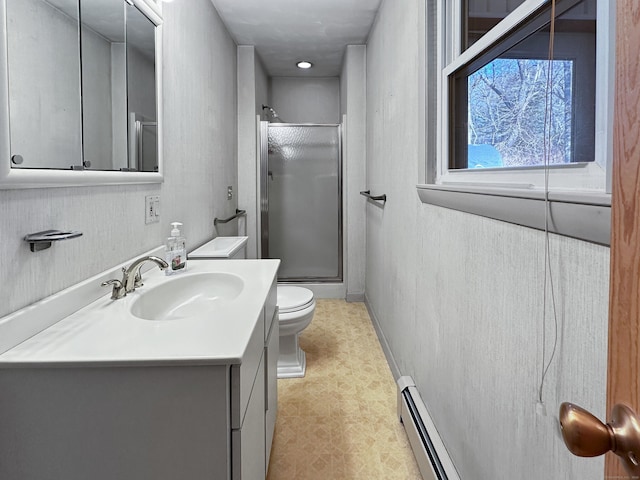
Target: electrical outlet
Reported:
point(229, 192)
point(152, 209)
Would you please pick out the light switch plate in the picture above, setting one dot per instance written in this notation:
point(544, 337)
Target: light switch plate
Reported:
point(229, 192)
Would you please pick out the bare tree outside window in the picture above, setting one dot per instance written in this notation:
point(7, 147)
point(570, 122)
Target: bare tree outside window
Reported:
point(507, 101)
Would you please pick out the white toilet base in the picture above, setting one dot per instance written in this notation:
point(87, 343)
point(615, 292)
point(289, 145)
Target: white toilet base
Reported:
point(292, 361)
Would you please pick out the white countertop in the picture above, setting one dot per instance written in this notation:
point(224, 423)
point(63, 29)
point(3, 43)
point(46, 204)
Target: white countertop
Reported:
point(106, 333)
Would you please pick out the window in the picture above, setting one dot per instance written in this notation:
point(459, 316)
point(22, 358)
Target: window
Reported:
point(506, 109)
point(504, 116)
point(512, 134)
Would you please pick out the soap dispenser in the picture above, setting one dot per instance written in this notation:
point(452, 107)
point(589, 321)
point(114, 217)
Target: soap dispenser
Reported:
point(176, 251)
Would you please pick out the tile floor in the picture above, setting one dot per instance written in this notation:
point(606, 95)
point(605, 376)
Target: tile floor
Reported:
point(339, 422)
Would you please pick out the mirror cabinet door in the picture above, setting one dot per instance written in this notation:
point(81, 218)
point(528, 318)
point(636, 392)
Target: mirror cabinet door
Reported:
point(104, 94)
point(43, 56)
point(141, 92)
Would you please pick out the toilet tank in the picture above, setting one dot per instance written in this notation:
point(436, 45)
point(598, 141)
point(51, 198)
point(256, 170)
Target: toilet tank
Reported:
point(221, 248)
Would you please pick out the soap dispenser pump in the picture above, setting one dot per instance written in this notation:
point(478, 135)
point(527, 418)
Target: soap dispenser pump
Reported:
point(176, 250)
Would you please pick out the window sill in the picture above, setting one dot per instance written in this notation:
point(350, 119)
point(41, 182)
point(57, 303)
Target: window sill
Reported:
point(582, 215)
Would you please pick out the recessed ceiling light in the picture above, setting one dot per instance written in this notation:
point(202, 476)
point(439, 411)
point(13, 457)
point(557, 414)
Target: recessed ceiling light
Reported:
point(304, 64)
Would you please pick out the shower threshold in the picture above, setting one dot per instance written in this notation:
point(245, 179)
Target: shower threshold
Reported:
point(320, 289)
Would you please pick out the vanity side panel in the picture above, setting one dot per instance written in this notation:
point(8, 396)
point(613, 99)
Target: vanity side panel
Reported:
point(270, 307)
point(114, 423)
point(272, 350)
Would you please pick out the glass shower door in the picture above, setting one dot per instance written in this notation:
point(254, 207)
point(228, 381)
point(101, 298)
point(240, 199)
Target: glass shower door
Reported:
point(304, 202)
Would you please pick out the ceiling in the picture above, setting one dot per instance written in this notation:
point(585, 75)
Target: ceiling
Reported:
point(287, 31)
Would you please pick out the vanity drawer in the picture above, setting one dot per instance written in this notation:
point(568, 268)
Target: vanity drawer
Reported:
point(243, 376)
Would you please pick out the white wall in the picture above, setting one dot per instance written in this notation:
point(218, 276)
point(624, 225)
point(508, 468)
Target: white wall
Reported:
point(353, 106)
point(459, 297)
point(306, 99)
point(252, 93)
point(263, 86)
point(200, 161)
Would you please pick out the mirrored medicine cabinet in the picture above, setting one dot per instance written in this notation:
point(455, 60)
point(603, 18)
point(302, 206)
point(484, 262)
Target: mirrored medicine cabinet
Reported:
point(80, 90)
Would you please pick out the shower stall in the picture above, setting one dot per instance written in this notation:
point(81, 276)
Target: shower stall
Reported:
point(301, 200)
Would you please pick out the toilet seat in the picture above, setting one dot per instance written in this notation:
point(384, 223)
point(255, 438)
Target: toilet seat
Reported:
point(294, 299)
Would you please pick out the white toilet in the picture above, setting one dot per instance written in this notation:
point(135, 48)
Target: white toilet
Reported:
point(296, 306)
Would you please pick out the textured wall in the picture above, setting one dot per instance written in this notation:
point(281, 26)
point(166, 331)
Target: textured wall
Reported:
point(306, 100)
point(252, 93)
point(200, 161)
point(459, 297)
point(353, 105)
point(200, 134)
point(262, 88)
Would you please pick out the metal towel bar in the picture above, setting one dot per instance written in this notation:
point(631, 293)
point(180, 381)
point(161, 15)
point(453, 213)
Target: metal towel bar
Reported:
point(381, 198)
point(239, 213)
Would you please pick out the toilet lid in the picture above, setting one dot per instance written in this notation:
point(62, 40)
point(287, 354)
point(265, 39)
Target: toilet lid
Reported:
point(293, 298)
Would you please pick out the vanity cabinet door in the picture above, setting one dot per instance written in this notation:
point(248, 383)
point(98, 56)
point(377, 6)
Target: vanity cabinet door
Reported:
point(272, 349)
point(115, 423)
point(248, 443)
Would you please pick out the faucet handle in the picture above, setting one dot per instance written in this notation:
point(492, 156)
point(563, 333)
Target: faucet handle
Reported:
point(137, 281)
point(117, 291)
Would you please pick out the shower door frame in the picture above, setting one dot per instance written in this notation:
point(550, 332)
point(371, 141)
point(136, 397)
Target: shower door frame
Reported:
point(263, 198)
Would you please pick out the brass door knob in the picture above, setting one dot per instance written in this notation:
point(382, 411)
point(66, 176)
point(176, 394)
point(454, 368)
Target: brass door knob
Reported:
point(586, 436)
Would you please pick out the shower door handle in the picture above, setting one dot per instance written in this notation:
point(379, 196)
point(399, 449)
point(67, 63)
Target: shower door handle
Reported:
point(586, 436)
point(270, 175)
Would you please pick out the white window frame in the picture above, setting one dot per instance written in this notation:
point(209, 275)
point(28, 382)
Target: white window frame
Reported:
point(584, 184)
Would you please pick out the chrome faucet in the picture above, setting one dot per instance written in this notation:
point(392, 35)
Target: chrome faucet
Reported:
point(131, 277)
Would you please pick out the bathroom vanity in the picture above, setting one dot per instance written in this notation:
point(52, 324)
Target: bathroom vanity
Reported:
point(158, 385)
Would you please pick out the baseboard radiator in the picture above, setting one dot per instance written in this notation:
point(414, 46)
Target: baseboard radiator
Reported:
point(430, 453)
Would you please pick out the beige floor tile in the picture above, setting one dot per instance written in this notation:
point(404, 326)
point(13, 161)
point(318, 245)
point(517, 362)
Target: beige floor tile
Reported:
point(339, 422)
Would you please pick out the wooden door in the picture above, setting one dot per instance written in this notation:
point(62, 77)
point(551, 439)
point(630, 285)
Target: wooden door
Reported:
point(623, 382)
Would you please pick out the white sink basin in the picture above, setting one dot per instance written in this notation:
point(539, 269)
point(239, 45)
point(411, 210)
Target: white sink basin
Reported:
point(220, 247)
point(186, 296)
